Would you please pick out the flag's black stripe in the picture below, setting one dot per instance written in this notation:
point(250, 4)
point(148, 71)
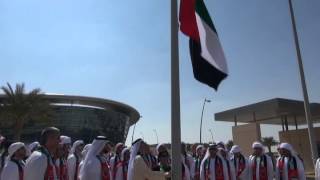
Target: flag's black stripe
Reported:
point(203, 71)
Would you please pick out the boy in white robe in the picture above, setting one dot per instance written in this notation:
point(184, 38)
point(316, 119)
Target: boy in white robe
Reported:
point(122, 167)
point(317, 170)
point(62, 157)
point(227, 163)
point(260, 164)
point(74, 159)
point(212, 166)
point(240, 163)
point(40, 165)
point(289, 165)
point(116, 158)
point(14, 167)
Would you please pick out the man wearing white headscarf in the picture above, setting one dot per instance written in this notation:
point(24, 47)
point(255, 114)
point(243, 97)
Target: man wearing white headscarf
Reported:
point(122, 167)
point(137, 169)
point(227, 163)
point(195, 171)
point(212, 166)
point(116, 159)
point(40, 165)
point(261, 166)
point(14, 167)
point(62, 157)
point(289, 165)
point(187, 163)
point(84, 154)
point(240, 163)
point(74, 159)
point(95, 166)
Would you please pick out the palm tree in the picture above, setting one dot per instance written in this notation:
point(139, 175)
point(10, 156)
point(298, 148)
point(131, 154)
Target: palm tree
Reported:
point(269, 142)
point(20, 107)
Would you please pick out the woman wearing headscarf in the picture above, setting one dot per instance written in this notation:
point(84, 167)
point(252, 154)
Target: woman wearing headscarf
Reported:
point(260, 164)
point(74, 159)
point(137, 169)
point(94, 166)
point(240, 163)
point(14, 167)
point(289, 165)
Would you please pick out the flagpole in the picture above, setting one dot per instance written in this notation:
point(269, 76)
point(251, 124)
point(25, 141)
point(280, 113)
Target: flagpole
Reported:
point(175, 95)
point(314, 151)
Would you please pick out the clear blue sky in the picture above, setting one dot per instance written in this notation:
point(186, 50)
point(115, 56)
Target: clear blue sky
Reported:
point(120, 50)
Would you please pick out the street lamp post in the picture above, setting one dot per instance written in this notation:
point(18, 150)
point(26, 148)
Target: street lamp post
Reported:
point(142, 136)
point(155, 132)
point(210, 130)
point(134, 128)
point(204, 104)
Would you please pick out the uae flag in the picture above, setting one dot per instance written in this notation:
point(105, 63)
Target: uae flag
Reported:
point(208, 60)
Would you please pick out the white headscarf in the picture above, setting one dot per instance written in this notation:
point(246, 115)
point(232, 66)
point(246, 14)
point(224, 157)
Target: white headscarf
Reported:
point(97, 146)
point(33, 145)
point(85, 150)
point(75, 145)
point(235, 149)
point(257, 145)
point(124, 152)
point(134, 151)
point(14, 148)
point(160, 145)
point(288, 147)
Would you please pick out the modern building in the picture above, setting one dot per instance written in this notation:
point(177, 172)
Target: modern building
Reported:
point(283, 112)
point(81, 118)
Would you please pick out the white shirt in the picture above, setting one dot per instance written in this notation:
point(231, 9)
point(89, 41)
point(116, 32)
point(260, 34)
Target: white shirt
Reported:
point(36, 167)
point(72, 163)
point(10, 171)
point(94, 170)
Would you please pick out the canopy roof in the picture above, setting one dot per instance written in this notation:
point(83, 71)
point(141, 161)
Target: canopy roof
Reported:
point(270, 112)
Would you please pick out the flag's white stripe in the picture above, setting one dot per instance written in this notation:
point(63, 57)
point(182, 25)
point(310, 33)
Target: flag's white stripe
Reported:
point(211, 49)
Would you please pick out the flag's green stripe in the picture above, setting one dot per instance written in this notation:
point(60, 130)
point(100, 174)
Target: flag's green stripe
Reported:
point(203, 12)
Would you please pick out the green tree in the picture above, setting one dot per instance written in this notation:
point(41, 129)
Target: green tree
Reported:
point(21, 107)
point(269, 142)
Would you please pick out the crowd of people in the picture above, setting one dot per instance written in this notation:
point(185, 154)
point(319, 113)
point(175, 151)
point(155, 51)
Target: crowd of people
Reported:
point(55, 157)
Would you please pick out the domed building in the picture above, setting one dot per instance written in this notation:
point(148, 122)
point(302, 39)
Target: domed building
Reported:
point(80, 117)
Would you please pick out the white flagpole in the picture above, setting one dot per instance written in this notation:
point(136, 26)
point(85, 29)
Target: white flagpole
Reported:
point(314, 151)
point(175, 95)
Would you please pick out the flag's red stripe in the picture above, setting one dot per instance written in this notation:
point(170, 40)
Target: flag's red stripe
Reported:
point(187, 18)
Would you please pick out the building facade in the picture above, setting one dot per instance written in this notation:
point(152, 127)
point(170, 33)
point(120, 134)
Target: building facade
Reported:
point(81, 118)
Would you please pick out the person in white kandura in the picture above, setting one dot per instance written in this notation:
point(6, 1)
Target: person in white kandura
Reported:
point(260, 164)
point(74, 159)
point(14, 167)
point(33, 146)
point(116, 159)
point(84, 154)
point(62, 157)
point(212, 166)
point(187, 163)
point(95, 166)
point(227, 163)
point(137, 169)
point(40, 165)
point(240, 163)
point(289, 165)
point(122, 167)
